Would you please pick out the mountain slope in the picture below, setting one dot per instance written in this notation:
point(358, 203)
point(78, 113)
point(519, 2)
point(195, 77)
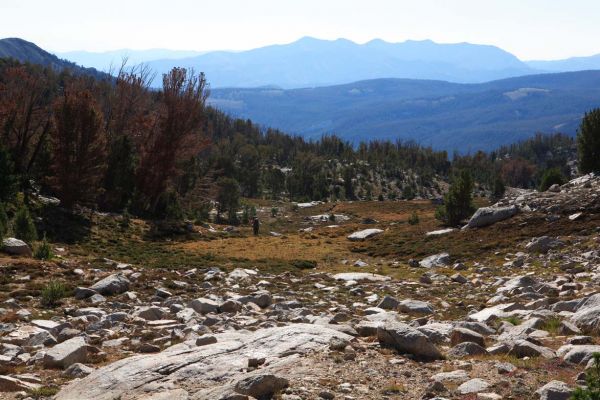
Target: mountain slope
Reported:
point(25, 51)
point(445, 115)
point(569, 64)
point(312, 62)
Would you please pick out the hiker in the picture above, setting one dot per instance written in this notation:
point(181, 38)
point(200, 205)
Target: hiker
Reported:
point(255, 226)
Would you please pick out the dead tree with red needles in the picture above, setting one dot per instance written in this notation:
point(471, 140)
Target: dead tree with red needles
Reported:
point(176, 135)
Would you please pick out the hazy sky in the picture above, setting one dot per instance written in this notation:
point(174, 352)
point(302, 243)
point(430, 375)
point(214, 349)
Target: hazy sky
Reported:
point(530, 29)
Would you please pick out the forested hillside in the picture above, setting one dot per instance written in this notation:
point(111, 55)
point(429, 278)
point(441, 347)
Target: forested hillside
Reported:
point(24, 51)
point(117, 144)
point(446, 116)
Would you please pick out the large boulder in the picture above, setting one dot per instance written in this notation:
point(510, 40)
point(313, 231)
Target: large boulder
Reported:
point(16, 247)
point(369, 325)
point(410, 306)
point(543, 244)
point(461, 335)
point(490, 215)
point(261, 386)
point(518, 282)
point(578, 354)
point(474, 385)
point(436, 260)
point(523, 348)
point(555, 390)
point(587, 314)
point(69, 352)
point(204, 306)
point(406, 339)
point(364, 234)
point(466, 349)
point(205, 372)
point(112, 284)
point(388, 303)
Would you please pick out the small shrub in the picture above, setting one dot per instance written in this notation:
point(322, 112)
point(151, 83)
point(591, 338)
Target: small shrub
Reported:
point(274, 212)
point(43, 250)
point(52, 293)
point(551, 176)
point(592, 378)
point(393, 389)
point(552, 325)
point(332, 217)
point(43, 392)
point(23, 226)
point(414, 218)
point(304, 264)
point(380, 197)
point(295, 207)
point(513, 320)
point(408, 193)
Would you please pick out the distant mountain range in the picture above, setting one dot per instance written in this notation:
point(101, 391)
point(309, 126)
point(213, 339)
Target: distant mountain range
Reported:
point(445, 115)
point(311, 62)
point(464, 115)
point(25, 51)
point(569, 64)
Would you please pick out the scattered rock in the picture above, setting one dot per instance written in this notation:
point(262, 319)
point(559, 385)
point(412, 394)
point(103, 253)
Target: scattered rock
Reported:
point(555, 390)
point(490, 215)
point(69, 352)
point(475, 385)
point(415, 307)
point(16, 247)
point(78, 370)
point(406, 339)
point(261, 386)
point(543, 244)
point(364, 234)
point(111, 285)
point(436, 260)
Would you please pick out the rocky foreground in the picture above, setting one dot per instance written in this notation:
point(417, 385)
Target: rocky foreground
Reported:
point(519, 325)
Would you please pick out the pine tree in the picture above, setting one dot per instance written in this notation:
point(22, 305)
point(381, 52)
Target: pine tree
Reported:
point(551, 176)
point(3, 222)
point(348, 185)
point(8, 181)
point(24, 227)
point(119, 181)
point(498, 188)
point(458, 201)
point(588, 140)
point(228, 198)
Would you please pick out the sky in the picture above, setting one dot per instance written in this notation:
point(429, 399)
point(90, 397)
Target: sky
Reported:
point(530, 29)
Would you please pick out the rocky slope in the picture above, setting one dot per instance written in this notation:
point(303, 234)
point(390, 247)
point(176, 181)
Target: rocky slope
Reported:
point(517, 324)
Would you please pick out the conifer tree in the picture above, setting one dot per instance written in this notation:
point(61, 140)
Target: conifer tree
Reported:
point(588, 141)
